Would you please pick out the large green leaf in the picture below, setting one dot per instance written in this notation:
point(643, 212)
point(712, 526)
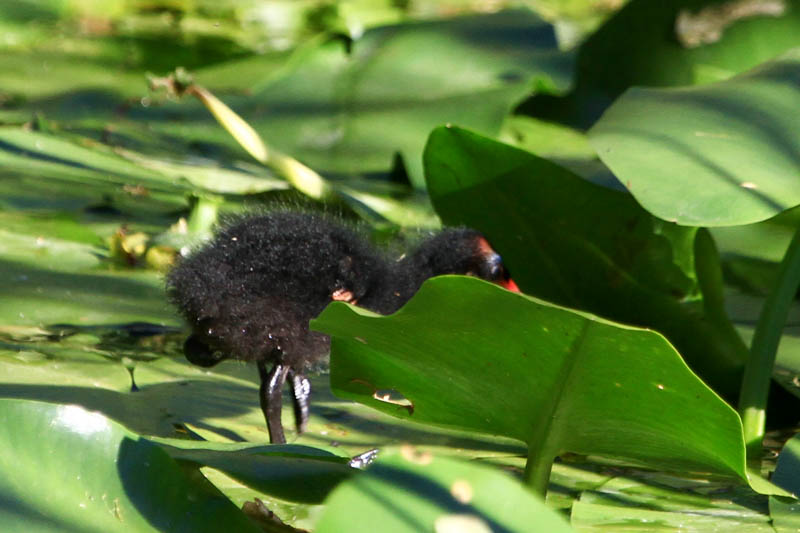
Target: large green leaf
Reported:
point(588, 247)
point(671, 43)
point(468, 354)
point(67, 469)
point(409, 491)
point(715, 155)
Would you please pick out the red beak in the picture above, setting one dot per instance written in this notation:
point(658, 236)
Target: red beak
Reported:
point(510, 285)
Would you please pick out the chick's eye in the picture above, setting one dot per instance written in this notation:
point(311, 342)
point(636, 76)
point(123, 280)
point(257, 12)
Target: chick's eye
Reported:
point(495, 267)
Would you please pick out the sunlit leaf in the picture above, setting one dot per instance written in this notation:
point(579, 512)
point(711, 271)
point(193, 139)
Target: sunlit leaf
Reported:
point(535, 372)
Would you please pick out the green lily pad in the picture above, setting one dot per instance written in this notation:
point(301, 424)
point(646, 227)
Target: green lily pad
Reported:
point(50, 171)
point(715, 155)
point(93, 369)
point(68, 469)
point(535, 372)
point(121, 172)
point(409, 491)
point(607, 517)
point(587, 247)
point(52, 155)
point(176, 399)
point(637, 503)
point(42, 296)
point(290, 472)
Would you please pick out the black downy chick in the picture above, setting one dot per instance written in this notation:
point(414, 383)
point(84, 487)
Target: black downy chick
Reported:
point(249, 293)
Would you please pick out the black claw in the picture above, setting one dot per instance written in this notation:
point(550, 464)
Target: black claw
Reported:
point(271, 389)
point(365, 459)
point(301, 392)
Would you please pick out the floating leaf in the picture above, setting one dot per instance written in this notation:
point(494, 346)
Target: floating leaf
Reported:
point(294, 473)
point(208, 176)
point(677, 504)
point(348, 112)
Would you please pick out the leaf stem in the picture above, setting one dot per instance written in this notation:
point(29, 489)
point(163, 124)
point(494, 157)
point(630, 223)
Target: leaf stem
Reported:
point(538, 468)
point(763, 349)
point(203, 214)
point(537, 475)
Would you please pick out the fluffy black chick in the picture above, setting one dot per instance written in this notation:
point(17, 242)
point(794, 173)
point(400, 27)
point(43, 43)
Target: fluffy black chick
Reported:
point(250, 292)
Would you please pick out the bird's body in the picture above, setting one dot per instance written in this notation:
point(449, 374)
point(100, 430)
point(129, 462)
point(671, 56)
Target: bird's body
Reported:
point(250, 293)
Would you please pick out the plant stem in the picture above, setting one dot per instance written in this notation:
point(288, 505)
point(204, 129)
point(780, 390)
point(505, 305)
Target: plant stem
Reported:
point(537, 475)
point(203, 215)
point(538, 467)
point(758, 370)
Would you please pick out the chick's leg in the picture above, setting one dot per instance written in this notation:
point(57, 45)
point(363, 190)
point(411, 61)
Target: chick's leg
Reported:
point(271, 386)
